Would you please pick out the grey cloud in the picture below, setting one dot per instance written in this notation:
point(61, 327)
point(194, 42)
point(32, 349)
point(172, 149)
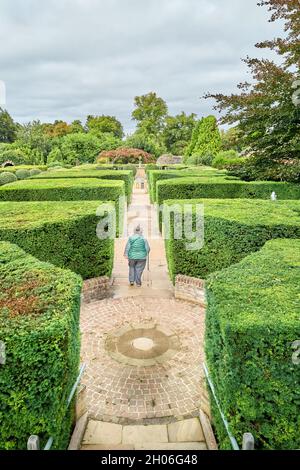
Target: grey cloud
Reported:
point(64, 59)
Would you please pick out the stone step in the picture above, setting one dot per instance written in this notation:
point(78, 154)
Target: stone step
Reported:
point(181, 435)
point(152, 446)
point(107, 447)
point(123, 291)
point(145, 434)
point(158, 283)
point(172, 446)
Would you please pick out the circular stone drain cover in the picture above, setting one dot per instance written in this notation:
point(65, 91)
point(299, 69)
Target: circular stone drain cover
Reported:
point(142, 345)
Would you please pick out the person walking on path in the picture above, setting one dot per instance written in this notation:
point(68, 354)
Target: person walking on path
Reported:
point(136, 251)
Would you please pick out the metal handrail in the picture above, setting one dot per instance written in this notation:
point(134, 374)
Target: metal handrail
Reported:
point(33, 442)
point(248, 439)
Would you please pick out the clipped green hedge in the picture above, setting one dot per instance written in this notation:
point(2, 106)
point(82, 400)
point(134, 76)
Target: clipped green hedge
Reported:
point(39, 325)
point(223, 188)
point(62, 233)
point(104, 167)
point(233, 228)
point(69, 189)
point(252, 321)
point(125, 176)
point(128, 167)
point(157, 175)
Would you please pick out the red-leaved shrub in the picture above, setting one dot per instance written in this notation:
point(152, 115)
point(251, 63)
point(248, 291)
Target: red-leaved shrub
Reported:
point(126, 155)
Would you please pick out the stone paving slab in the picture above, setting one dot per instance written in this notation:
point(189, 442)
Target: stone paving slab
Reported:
point(185, 431)
point(144, 434)
point(98, 432)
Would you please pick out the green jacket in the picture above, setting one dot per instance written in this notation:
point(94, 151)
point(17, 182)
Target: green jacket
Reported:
point(137, 247)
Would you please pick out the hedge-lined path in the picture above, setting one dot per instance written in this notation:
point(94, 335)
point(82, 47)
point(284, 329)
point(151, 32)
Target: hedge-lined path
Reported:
point(156, 281)
point(143, 348)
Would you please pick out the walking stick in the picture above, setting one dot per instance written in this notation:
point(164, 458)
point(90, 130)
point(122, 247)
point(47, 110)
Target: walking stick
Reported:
point(148, 269)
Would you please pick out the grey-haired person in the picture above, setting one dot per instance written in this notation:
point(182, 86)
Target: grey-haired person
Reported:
point(136, 251)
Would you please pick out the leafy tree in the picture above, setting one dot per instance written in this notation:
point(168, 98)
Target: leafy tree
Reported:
point(77, 127)
point(8, 128)
point(34, 142)
point(150, 112)
point(177, 132)
point(231, 139)
point(206, 138)
point(104, 124)
point(58, 129)
point(266, 110)
point(79, 148)
point(109, 142)
point(148, 143)
point(55, 156)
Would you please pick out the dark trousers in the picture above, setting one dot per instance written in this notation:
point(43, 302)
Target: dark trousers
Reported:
point(136, 268)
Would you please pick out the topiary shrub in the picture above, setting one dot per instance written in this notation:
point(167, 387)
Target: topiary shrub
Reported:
point(252, 321)
point(7, 177)
point(63, 233)
point(22, 174)
point(35, 172)
point(233, 229)
point(39, 325)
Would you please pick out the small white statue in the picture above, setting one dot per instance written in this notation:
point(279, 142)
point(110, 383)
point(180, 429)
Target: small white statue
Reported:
point(273, 196)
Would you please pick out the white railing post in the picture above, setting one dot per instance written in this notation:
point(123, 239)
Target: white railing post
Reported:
point(33, 443)
point(248, 441)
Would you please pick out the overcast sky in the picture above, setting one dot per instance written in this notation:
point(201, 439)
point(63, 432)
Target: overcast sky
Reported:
point(65, 59)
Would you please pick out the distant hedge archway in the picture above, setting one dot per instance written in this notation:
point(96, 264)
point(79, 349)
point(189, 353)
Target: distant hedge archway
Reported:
point(7, 163)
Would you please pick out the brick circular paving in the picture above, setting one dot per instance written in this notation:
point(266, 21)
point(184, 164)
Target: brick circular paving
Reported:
point(121, 385)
